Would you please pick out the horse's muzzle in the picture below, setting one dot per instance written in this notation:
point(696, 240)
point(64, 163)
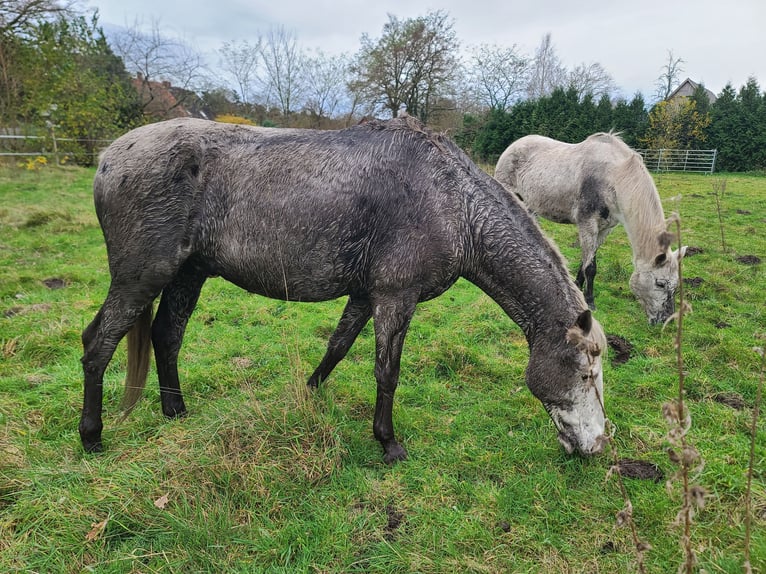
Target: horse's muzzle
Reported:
point(571, 445)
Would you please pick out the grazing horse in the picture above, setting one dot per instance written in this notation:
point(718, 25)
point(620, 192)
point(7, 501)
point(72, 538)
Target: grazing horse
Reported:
point(597, 184)
point(386, 213)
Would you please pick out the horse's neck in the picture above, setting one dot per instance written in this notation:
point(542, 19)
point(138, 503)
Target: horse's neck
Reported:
point(641, 215)
point(521, 270)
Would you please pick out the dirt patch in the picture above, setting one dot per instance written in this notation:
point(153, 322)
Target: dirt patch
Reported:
point(504, 526)
point(395, 519)
point(744, 212)
point(749, 259)
point(693, 281)
point(722, 325)
point(641, 469)
point(22, 309)
point(690, 251)
point(54, 283)
point(622, 349)
point(733, 400)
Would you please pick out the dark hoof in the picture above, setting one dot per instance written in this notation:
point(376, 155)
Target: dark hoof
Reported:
point(394, 453)
point(90, 436)
point(174, 412)
point(313, 383)
point(92, 447)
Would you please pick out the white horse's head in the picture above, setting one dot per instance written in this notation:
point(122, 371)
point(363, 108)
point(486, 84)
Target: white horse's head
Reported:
point(654, 283)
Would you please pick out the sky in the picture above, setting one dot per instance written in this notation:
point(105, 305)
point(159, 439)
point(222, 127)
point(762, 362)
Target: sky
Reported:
point(719, 42)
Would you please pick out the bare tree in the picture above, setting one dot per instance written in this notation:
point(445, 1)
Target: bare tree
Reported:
point(547, 73)
point(497, 75)
point(592, 79)
point(670, 77)
point(283, 64)
point(325, 78)
point(154, 59)
point(16, 15)
point(240, 63)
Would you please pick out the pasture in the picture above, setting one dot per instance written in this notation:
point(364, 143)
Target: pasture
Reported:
point(263, 476)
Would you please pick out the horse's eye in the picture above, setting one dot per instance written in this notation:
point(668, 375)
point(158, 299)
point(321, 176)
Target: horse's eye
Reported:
point(660, 283)
point(585, 377)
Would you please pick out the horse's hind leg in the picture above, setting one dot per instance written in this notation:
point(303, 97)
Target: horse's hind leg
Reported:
point(99, 339)
point(355, 316)
point(178, 300)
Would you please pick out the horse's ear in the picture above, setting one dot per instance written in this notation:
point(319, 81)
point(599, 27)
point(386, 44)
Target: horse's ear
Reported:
point(682, 252)
point(585, 321)
point(660, 260)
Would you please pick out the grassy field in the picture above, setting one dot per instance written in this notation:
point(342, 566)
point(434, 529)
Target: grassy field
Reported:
point(264, 477)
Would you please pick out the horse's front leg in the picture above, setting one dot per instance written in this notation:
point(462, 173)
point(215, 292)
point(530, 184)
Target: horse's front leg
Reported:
point(392, 318)
point(589, 241)
point(589, 275)
point(355, 316)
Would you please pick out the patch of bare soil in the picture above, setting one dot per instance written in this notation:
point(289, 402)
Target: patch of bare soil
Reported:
point(622, 349)
point(693, 281)
point(749, 259)
point(744, 212)
point(54, 283)
point(395, 519)
point(641, 469)
point(733, 400)
point(691, 250)
point(722, 325)
point(21, 309)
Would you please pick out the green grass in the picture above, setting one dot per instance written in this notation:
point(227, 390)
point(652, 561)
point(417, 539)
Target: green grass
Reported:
point(264, 477)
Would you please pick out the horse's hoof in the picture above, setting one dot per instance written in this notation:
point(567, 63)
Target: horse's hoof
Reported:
point(394, 453)
point(174, 412)
point(92, 447)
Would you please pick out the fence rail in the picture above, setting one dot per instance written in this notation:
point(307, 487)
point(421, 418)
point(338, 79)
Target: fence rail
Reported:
point(700, 160)
point(16, 145)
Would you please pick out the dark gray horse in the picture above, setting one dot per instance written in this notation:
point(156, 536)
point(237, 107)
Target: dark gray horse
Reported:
point(386, 213)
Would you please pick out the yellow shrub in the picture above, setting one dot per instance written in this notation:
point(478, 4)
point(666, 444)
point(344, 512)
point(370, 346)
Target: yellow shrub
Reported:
point(232, 119)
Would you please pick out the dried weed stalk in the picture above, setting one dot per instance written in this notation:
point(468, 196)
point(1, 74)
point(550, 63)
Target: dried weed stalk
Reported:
point(753, 432)
point(625, 516)
point(681, 452)
point(719, 188)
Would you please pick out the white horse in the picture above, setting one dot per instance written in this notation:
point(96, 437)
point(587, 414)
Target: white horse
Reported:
point(597, 184)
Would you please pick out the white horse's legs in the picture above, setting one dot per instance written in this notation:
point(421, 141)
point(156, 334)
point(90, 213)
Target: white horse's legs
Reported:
point(589, 243)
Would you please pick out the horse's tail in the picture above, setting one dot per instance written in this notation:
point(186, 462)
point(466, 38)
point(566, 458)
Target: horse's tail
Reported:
point(139, 353)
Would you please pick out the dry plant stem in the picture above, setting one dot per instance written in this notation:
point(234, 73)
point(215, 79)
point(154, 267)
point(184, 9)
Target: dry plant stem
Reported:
point(687, 497)
point(718, 188)
point(748, 492)
point(639, 546)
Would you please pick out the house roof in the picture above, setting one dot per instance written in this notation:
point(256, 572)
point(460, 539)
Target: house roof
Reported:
point(686, 89)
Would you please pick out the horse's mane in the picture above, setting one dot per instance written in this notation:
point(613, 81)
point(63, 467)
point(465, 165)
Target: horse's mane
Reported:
point(410, 126)
point(641, 204)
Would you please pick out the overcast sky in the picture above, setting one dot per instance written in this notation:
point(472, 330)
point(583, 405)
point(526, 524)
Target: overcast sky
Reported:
point(719, 41)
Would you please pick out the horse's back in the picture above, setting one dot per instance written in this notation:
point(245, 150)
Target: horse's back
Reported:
point(295, 214)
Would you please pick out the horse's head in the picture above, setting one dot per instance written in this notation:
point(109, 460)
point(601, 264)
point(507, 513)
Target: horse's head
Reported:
point(567, 378)
point(654, 284)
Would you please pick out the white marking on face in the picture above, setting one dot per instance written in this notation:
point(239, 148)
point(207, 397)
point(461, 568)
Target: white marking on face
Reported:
point(581, 427)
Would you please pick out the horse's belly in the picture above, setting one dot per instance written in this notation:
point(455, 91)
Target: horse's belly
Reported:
point(284, 279)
